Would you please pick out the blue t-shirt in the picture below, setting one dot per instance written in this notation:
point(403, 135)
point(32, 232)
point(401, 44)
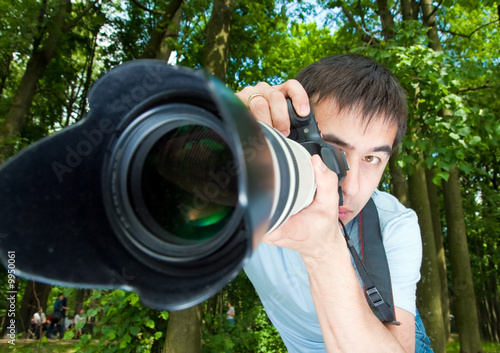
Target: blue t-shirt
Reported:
point(280, 277)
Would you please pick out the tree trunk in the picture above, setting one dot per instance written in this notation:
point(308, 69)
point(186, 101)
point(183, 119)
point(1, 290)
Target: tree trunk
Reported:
point(40, 57)
point(399, 185)
point(464, 297)
point(39, 60)
point(440, 253)
point(429, 288)
point(79, 298)
point(184, 327)
point(495, 305)
point(35, 296)
point(184, 331)
point(217, 46)
point(429, 20)
point(386, 19)
point(406, 10)
point(5, 69)
point(158, 33)
point(172, 31)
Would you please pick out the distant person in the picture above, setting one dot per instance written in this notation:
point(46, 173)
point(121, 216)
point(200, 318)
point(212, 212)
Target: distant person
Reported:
point(57, 321)
point(230, 313)
point(39, 323)
point(80, 317)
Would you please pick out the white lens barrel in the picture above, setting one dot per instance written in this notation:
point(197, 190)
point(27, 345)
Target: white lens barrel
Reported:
point(295, 184)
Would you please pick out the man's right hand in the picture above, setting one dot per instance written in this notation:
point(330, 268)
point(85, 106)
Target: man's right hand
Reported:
point(268, 103)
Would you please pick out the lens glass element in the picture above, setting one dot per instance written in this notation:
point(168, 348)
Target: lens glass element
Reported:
point(189, 184)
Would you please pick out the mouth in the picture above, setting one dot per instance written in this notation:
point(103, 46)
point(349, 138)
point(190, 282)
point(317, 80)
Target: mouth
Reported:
point(344, 212)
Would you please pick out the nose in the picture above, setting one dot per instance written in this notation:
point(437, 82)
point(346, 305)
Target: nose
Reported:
point(350, 185)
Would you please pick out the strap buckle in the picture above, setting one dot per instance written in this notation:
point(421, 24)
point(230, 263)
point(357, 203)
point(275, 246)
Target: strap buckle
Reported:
point(375, 296)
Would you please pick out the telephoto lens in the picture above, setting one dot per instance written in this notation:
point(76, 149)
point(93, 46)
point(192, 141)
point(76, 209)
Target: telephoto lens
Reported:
point(165, 188)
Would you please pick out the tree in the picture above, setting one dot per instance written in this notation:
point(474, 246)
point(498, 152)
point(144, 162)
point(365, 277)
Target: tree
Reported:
point(184, 331)
point(35, 296)
point(466, 316)
point(184, 326)
point(159, 33)
point(437, 227)
point(218, 34)
point(465, 313)
point(44, 49)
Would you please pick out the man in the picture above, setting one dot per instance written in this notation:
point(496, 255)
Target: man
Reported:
point(303, 271)
point(57, 320)
point(39, 323)
point(230, 313)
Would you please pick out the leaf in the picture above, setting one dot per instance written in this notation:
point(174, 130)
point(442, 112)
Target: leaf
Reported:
point(466, 168)
point(454, 136)
point(69, 335)
point(134, 330)
point(475, 140)
point(164, 315)
point(436, 179)
point(150, 323)
point(111, 335)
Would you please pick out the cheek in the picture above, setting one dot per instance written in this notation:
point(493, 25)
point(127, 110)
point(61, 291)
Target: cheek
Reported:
point(371, 178)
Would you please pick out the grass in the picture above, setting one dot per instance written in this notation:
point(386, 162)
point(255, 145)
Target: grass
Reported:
point(68, 346)
point(29, 345)
point(488, 347)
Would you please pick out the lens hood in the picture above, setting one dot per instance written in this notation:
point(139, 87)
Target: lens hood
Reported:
point(164, 188)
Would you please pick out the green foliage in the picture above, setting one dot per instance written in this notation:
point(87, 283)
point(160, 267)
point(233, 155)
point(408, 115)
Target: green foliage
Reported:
point(488, 347)
point(252, 331)
point(124, 324)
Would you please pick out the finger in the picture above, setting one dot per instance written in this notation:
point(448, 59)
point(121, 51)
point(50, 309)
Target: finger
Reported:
point(293, 89)
point(276, 105)
point(327, 195)
point(256, 102)
point(288, 235)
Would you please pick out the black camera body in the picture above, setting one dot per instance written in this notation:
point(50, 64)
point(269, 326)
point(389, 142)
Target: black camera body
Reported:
point(164, 188)
point(305, 131)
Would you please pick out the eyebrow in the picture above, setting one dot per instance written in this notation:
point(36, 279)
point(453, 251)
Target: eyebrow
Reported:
point(343, 144)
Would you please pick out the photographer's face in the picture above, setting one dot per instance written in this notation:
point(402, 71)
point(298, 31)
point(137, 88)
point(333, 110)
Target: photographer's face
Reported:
point(367, 149)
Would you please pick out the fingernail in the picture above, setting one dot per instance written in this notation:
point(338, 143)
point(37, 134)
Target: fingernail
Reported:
point(322, 165)
point(285, 133)
point(304, 109)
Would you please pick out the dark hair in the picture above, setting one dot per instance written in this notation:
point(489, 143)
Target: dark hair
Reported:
point(357, 81)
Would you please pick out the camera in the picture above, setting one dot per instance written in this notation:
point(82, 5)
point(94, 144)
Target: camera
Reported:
point(164, 188)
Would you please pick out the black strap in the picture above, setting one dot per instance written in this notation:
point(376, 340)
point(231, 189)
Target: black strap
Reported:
point(374, 269)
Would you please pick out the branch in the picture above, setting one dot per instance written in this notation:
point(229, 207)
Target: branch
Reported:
point(364, 36)
point(477, 29)
point(73, 23)
point(363, 23)
point(141, 6)
point(471, 33)
point(485, 86)
point(433, 11)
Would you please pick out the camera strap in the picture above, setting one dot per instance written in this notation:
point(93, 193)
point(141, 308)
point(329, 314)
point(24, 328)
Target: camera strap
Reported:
point(373, 267)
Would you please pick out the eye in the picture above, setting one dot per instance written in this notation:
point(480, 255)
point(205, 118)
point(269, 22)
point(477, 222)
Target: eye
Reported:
point(371, 159)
